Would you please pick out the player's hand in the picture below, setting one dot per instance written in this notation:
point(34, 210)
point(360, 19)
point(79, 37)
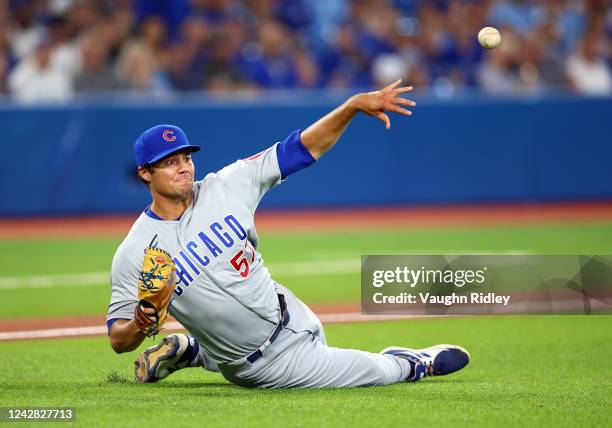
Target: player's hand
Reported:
point(377, 103)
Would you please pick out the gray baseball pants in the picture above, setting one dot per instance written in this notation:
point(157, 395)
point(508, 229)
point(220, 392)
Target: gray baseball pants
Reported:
point(300, 358)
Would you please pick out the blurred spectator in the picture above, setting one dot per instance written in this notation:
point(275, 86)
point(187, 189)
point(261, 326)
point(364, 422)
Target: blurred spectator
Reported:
point(294, 14)
point(141, 62)
point(96, 74)
point(172, 12)
point(83, 16)
point(59, 7)
point(587, 70)
point(306, 69)
point(346, 65)
point(216, 12)
point(388, 68)
point(268, 62)
point(116, 30)
point(24, 31)
point(182, 73)
point(464, 54)
point(567, 22)
point(186, 57)
point(196, 34)
point(139, 70)
point(374, 24)
point(522, 15)
point(7, 60)
point(533, 69)
point(261, 10)
point(436, 42)
point(3, 74)
point(221, 72)
point(35, 80)
point(66, 55)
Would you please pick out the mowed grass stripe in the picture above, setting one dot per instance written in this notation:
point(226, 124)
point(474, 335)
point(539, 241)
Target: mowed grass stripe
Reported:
point(323, 267)
point(56, 256)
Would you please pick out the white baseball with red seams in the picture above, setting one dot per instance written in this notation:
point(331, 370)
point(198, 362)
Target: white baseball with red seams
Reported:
point(489, 37)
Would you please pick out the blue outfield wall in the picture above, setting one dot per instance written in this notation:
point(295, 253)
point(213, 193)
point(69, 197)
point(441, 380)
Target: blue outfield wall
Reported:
point(79, 159)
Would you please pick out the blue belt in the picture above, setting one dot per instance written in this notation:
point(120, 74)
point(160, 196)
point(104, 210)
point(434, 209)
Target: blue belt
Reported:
point(284, 321)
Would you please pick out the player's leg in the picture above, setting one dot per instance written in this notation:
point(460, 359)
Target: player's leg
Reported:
point(174, 352)
point(313, 364)
point(302, 360)
point(437, 360)
point(308, 363)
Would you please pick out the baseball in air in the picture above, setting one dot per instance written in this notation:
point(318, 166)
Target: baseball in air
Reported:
point(489, 37)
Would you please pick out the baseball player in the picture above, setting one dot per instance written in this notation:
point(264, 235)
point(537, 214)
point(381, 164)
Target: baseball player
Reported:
point(193, 253)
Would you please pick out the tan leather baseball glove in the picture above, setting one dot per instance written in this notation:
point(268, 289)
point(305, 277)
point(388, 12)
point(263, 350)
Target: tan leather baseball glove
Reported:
point(155, 286)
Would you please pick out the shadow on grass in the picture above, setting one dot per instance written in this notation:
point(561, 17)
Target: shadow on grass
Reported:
point(227, 389)
point(221, 387)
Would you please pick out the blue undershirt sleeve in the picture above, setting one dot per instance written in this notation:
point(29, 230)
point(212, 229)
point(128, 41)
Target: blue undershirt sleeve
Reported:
point(292, 155)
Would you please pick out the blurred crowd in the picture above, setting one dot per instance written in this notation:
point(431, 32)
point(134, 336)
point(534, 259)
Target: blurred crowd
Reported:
point(51, 50)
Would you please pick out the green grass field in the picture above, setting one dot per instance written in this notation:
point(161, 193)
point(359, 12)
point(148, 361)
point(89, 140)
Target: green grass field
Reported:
point(534, 371)
point(525, 370)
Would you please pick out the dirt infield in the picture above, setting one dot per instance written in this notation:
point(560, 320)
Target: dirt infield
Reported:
point(336, 219)
point(95, 325)
point(27, 324)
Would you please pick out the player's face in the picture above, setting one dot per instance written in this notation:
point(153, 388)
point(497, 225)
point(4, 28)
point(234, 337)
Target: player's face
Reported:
point(172, 177)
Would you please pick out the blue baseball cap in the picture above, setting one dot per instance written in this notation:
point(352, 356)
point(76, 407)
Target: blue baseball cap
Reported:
point(160, 141)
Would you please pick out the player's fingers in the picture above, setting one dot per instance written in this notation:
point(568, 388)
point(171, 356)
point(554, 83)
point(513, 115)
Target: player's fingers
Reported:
point(384, 118)
point(399, 110)
point(404, 102)
point(403, 89)
point(392, 85)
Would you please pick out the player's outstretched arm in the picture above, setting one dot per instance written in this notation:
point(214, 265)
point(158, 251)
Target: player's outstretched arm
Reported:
point(324, 133)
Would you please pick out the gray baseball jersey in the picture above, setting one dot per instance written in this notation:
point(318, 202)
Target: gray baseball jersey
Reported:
point(224, 294)
point(222, 286)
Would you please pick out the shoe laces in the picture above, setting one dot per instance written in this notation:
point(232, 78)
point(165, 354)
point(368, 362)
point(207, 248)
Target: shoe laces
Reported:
point(423, 368)
point(428, 362)
point(429, 368)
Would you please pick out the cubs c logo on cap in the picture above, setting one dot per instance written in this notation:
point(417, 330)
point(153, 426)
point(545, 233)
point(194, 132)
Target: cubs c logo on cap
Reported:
point(168, 135)
point(159, 141)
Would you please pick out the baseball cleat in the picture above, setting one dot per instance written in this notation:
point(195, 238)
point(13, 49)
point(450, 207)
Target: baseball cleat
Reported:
point(437, 360)
point(158, 361)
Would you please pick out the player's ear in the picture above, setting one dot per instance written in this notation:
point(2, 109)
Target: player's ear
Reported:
point(144, 173)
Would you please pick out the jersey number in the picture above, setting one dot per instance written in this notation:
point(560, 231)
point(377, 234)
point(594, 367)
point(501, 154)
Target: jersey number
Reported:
point(241, 263)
